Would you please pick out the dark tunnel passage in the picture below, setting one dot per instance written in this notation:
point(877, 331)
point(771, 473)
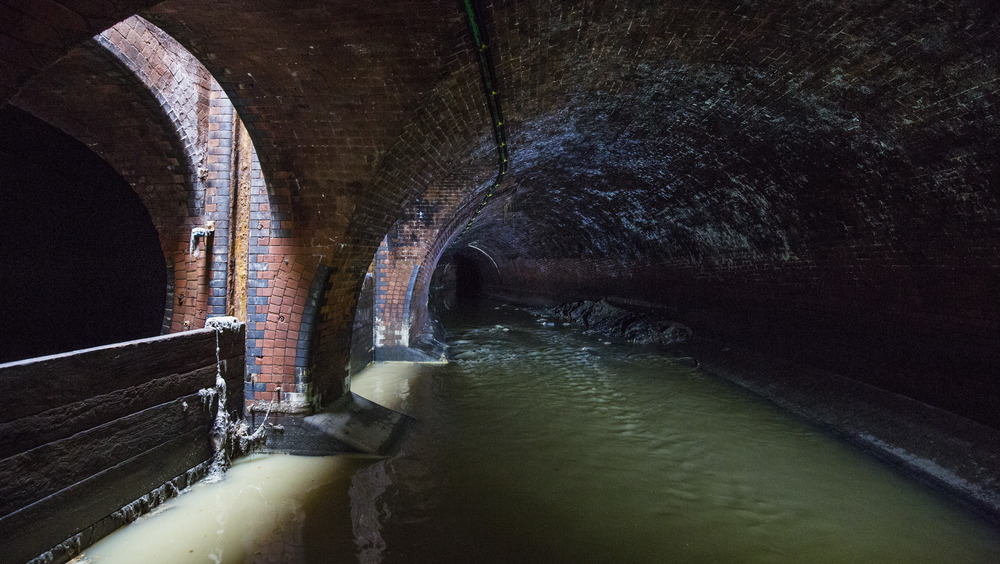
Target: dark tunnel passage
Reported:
point(458, 282)
point(825, 215)
point(808, 189)
point(80, 260)
point(468, 279)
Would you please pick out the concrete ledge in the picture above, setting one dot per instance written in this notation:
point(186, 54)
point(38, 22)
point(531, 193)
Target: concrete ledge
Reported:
point(350, 425)
point(948, 452)
point(405, 354)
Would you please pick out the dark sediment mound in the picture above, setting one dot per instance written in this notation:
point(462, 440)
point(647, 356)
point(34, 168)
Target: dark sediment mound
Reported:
point(641, 328)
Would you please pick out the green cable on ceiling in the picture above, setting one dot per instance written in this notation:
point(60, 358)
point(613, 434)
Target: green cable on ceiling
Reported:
point(488, 76)
point(472, 20)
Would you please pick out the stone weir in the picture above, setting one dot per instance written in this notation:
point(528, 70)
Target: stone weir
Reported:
point(90, 440)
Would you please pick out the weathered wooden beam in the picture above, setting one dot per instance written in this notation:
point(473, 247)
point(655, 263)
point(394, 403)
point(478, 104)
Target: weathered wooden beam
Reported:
point(234, 372)
point(45, 383)
point(86, 505)
point(60, 422)
point(42, 471)
point(83, 434)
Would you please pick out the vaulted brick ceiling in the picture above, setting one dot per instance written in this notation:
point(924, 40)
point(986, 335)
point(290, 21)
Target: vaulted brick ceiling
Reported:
point(823, 160)
point(786, 130)
point(750, 131)
point(335, 95)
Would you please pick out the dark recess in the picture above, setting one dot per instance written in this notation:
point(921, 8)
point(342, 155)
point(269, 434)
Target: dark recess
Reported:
point(80, 260)
point(468, 281)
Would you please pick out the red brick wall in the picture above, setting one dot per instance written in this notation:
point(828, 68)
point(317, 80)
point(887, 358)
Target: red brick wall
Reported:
point(759, 165)
point(427, 227)
point(342, 146)
point(184, 179)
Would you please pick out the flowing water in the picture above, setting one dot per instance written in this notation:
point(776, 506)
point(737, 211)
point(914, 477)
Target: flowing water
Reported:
point(542, 444)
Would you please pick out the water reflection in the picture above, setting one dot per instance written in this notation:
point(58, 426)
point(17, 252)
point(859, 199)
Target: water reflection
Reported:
point(545, 445)
point(539, 444)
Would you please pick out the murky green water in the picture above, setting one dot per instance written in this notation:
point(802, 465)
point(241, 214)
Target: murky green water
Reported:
point(539, 444)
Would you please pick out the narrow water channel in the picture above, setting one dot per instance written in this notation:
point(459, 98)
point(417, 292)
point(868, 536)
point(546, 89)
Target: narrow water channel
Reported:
point(542, 444)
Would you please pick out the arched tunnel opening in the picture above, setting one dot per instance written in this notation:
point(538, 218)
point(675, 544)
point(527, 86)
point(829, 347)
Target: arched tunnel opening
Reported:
point(80, 260)
point(718, 279)
point(457, 281)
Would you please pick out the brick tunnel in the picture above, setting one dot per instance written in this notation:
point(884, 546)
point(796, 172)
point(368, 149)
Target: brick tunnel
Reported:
point(814, 182)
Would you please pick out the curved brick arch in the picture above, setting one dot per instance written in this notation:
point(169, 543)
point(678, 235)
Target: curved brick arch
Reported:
point(184, 90)
point(90, 95)
point(163, 100)
point(222, 163)
point(410, 253)
point(739, 168)
point(181, 85)
point(187, 98)
point(324, 100)
point(41, 32)
point(701, 156)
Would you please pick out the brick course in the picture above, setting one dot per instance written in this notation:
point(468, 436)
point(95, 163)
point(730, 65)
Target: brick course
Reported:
point(816, 178)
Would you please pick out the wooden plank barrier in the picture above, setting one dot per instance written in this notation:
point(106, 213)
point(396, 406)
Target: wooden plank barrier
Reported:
point(84, 434)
